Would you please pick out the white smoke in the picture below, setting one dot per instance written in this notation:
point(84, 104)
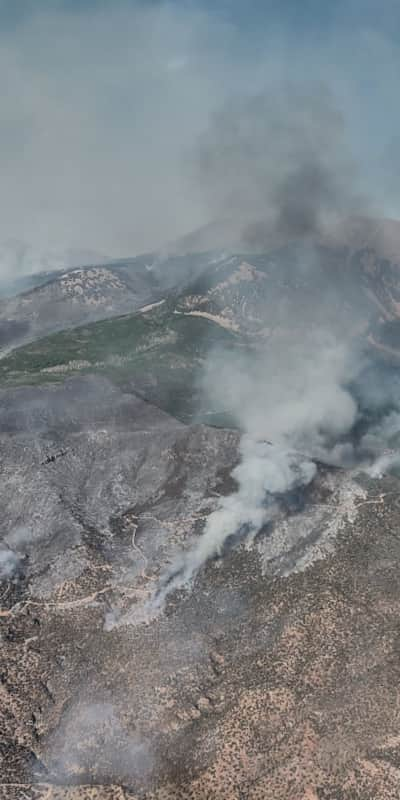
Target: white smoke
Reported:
point(383, 434)
point(381, 444)
point(93, 740)
point(294, 397)
point(383, 465)
point(12, 553)
point(265, 472)
point(293, 391)
point(9, 564)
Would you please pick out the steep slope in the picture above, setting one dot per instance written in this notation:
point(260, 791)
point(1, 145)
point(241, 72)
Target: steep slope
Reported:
point(69, 298)
point(360, 254)
point(274, 676)
point(156, 351)
point(239, 303)
point(275, 288)
point(59, 300)
point(271, 671)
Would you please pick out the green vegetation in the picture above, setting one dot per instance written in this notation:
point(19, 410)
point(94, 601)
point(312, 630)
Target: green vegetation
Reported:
point(159, 353)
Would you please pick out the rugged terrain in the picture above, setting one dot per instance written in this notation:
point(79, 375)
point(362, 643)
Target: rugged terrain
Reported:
point(67, 299)
point(273, 673)
point(275, 676)
point(366, 252)
point(245, 303)
point(59, 299)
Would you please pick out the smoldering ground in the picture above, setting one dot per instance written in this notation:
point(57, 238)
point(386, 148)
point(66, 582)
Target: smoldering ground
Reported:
point(93, 741)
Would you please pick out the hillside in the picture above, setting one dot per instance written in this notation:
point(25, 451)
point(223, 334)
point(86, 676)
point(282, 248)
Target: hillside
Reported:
point(199, 539)
point(243, 302)
point(69, 298)
point(57, 300)
point(283, 645)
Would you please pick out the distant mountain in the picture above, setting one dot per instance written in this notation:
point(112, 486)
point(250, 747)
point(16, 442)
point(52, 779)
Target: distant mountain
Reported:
point(242, 301)
point(63, 299)
point(69, 298)
point(359, 254)
point(60, 302)
point(272, 671)
point(23, 266)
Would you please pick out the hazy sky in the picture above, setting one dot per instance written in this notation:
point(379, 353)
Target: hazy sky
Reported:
point(102, 104)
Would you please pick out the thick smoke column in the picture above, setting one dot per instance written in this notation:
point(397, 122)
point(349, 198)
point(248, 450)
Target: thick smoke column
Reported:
point(307, 399)
point(265, 472)
point(291, 396)
point(282, 158)
point(279, 162)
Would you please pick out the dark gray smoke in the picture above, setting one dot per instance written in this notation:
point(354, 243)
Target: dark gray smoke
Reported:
point(280, 163)
point(282, 158)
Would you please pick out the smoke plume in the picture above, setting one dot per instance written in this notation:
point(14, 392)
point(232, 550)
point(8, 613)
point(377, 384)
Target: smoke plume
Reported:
point(292, 404)
point(300, 395)
point(280, 163)
point(297, 405)
point(117, 131)
point(9, 564)
point(12, 555)
point(264, 473)
point(93, 741)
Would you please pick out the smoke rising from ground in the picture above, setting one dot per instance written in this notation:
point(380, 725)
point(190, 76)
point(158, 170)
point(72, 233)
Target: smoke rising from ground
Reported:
point(9, 564)
point(12, 555)
point(93, 741)
point(295, 410)
point(292, 404)
point(265, 472)
point(283, 158)
point(279, 163)
point(308, 394)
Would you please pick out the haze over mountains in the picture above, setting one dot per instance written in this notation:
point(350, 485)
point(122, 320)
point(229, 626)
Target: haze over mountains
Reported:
point(199, 400)
point(196, 448)
point(359, 252)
